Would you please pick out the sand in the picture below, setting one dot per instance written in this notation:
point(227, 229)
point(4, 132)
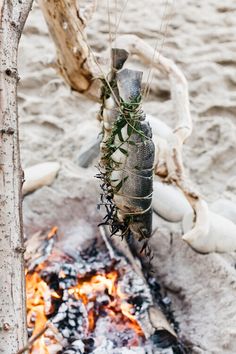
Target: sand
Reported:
point(56, 123)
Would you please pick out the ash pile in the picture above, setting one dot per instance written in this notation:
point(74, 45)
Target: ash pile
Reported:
point(90, 302)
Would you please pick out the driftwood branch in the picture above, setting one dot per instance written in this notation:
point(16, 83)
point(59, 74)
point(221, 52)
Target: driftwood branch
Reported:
point(204, 231)
point(170, 167)
point(80, 68)
point(13, 331)
point(179, 86)
point(66, 23)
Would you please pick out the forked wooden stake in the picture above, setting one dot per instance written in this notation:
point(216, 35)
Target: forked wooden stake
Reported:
point(13, 332)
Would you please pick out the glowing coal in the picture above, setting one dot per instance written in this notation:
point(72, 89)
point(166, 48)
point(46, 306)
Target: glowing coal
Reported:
point(90, 301)
point(83, 301)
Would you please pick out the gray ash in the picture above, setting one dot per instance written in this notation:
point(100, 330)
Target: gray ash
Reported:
point(97, 304)
point(82, 318)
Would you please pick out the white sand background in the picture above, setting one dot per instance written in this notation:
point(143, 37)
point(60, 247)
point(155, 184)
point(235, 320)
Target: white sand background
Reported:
point(55, 123)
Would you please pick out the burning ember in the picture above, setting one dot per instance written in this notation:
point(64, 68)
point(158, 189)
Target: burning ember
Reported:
point(98, 295)
point(77, 304)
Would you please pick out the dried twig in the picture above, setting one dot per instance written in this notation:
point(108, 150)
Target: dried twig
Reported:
point(33, 339)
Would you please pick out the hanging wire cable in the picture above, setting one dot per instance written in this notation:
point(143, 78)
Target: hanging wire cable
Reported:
point(168, 15)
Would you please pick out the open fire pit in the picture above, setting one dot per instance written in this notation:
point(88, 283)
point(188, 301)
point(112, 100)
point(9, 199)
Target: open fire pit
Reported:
point(91, 302)
point(84, 293)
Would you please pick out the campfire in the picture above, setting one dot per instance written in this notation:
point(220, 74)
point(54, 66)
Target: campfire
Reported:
point(88, 303)
point(76, 305)
point(94, 297)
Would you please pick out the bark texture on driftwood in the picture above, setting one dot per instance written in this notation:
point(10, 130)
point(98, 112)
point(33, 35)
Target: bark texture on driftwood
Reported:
point(12, 288)
point(66, 23)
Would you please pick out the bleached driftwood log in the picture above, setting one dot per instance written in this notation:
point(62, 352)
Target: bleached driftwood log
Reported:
point(169, 163)
point(66, 25)
point(37, 176)
point(66, 22)
point(12, 285)
point(220, 236)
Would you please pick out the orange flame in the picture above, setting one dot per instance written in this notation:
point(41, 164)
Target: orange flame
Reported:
point(40, 298)
point(37, 295)
point(88, 291)
point(52, 232)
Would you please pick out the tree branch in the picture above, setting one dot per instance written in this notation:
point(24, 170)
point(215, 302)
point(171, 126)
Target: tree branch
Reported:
point(13, 331)
point(66, 23)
